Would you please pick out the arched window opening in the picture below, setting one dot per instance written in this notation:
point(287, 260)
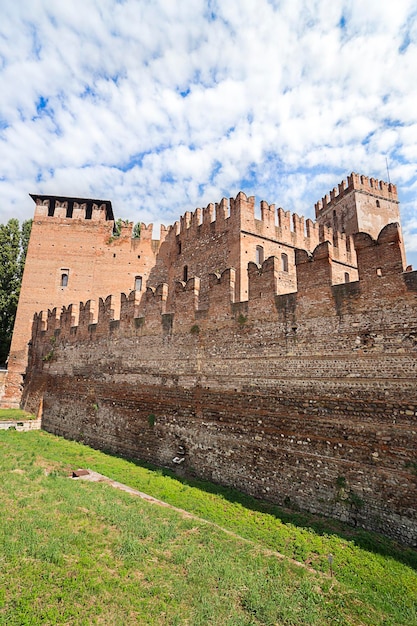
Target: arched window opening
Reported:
point(347, 277)
point(378, 204)
point(284, 262)
point(64, 279)
point(138, 283)
point(185, 273)
point(259, 255)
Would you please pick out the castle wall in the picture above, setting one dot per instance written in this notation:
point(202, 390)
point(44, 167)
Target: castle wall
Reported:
point(72, 240)
point(202, 242)
point(229, 234)
point(93, 261)
point(280, 233)
point(303, 398)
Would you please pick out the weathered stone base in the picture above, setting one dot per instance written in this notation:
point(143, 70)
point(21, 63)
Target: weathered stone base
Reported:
point(335, 456)
point(21, 425)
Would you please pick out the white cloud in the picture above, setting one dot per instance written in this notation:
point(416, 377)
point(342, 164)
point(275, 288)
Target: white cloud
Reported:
point(163, 106)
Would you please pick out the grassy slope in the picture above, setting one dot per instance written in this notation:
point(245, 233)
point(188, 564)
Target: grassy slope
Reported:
point(81, 553)
point(15, 414)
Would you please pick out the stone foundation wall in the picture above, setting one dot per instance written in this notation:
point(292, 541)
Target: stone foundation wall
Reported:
point(24, 425)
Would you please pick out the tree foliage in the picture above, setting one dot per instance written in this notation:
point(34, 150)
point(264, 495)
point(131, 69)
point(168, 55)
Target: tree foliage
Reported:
point(136, 231)
point(117, 229)
point(14, 240)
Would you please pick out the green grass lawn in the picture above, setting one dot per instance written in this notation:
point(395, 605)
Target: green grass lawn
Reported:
point(15, 414)
point(73, 552)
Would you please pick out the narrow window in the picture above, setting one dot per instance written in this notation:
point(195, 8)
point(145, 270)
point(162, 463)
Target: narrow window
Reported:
point(348, 243)
point(64, 279)
point(259, 255)
point(185, 273)
point(378, 204)
point(179, 247)
point(284, 262)
point(138, 283)
point(347, 277)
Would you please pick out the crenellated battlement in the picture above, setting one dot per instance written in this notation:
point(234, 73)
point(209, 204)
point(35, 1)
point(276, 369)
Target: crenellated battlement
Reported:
point(73, 208)
point(215, 217)
point(380, 271)
point(92, 212)
point(357, 182)
point(288, 228)
point(373, 185)
point(277, 231)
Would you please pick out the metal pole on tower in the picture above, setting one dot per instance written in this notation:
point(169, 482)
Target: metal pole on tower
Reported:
point(386, 161)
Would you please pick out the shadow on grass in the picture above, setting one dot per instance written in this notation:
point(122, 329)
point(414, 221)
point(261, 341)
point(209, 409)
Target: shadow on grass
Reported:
point(367, 540)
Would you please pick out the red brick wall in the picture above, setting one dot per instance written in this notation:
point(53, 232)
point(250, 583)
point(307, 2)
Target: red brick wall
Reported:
point(96, 263)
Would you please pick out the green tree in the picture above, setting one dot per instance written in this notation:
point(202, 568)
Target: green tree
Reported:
point(14, 242)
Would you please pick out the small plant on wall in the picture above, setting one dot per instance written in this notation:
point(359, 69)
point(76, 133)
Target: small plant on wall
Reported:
point(341, 482)
point(49, 356)
point(412, 467)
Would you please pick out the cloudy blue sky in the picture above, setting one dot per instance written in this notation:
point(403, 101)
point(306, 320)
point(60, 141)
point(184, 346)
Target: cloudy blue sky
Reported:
point(165, 105)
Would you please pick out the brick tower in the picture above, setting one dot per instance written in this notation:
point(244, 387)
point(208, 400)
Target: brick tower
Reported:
point(72, 257)
point(362, 205)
